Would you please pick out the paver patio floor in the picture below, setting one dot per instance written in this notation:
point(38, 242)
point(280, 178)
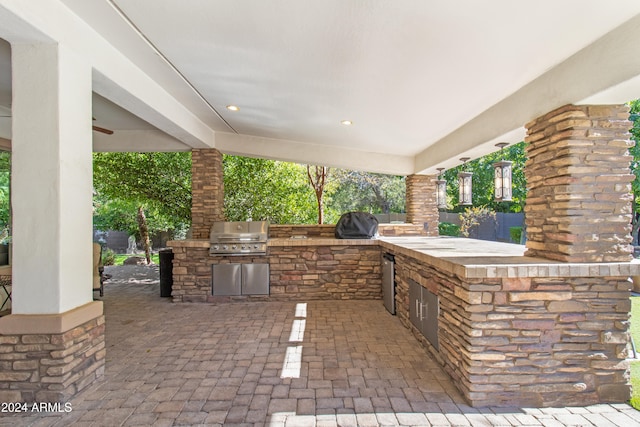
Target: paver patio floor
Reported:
point(319, 363)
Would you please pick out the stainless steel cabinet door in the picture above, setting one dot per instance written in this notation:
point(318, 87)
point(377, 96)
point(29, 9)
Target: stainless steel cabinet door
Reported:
point(226, 279)
point(424, 310)
point(255, 279)
point(431, 311)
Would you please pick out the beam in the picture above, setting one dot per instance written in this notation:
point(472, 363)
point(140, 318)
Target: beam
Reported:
point(137, 141)
point(605, 64)
point(115, 76)
point(298, 152)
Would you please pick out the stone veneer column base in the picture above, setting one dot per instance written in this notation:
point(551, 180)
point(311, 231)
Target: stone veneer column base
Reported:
point(50, 358)
point(422, 208)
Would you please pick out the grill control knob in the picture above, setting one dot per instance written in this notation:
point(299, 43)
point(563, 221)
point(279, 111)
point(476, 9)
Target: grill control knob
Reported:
point(224, 247)
point(216, 247)
point(234, 247)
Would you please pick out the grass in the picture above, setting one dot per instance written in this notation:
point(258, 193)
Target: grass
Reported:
point(635, 366)
point(119, 258)
point(635, 384)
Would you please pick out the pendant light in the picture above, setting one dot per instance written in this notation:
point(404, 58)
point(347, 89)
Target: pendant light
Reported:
point(502, 177)
point(465, 189)
point(441, 191)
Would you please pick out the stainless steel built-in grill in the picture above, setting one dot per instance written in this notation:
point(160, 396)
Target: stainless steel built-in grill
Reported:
point(239, 238)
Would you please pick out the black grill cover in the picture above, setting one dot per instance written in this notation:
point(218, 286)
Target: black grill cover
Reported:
point(356, 225)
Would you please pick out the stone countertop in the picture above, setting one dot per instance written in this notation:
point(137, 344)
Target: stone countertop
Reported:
point(320, 241)
point(189, 243)
point(467, 258)
point(311, 241)
point(472, 258)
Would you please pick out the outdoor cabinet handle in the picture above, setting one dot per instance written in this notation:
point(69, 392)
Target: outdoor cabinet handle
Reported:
point(418, 308)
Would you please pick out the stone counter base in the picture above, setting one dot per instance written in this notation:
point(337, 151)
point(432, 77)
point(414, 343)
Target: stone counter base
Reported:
point(536, 342)
point(325, 272)
point(296, 273)
point(51, 367)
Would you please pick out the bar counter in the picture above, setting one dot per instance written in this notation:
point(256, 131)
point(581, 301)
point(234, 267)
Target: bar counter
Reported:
point(472, 258)
point(467, 258)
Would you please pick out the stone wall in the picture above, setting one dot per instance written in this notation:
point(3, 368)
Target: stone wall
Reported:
point(325, 272)
point(207, 188)
point(296, 273)
point(400, 230)
point(51, 367)
point(421, 203)
point(527, 342)
point(579, 201)
point(192, 269)
point(328, 230)
point(308, 230)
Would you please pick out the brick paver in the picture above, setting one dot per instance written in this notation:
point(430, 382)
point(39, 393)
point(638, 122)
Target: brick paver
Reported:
point(329, 363)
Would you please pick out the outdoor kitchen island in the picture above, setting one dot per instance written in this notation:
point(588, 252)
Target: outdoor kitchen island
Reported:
point(511, 329)
point(299, 270)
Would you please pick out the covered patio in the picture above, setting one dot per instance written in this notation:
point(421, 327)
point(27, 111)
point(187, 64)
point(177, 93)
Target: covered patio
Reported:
point(236, 364)
point(166, 77)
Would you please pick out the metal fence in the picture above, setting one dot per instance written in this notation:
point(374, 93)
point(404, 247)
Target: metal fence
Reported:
point(490, 229)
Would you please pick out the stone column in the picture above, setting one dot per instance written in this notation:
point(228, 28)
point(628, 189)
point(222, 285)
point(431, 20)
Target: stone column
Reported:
point(421, 203)
point(579, 201)
point(207, 198)
point(52, 345)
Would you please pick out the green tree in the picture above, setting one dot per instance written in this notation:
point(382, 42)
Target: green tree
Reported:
point(122, 215)
point(318, 181)
point(5, 184)
point(261, 189)
point(483, 191)
point(369, 192)
point(634, 116)
point(156, 182)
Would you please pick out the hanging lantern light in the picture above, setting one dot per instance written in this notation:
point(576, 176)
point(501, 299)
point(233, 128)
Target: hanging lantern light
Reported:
point(465, 189)
point(502, 178)
point(441, 191)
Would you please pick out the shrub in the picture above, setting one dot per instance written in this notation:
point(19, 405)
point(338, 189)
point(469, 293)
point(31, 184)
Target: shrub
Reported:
point(472, 216)
point(448, 229)
point(515, 233)
point(108, 257)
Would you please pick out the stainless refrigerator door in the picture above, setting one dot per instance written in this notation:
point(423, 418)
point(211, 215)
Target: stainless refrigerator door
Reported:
point(226, 279)
point(255, 279)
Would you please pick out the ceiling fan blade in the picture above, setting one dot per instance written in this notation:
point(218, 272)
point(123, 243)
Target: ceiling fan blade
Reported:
point(103, 130)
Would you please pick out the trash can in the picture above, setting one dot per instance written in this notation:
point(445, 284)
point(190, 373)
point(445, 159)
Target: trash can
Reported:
point(166, 272)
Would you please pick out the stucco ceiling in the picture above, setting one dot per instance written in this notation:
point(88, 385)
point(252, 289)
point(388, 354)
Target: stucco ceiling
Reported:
point(424, 82)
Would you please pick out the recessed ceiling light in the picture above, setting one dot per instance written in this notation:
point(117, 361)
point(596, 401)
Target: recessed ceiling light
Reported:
point(233, 108)
point(346, 122)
